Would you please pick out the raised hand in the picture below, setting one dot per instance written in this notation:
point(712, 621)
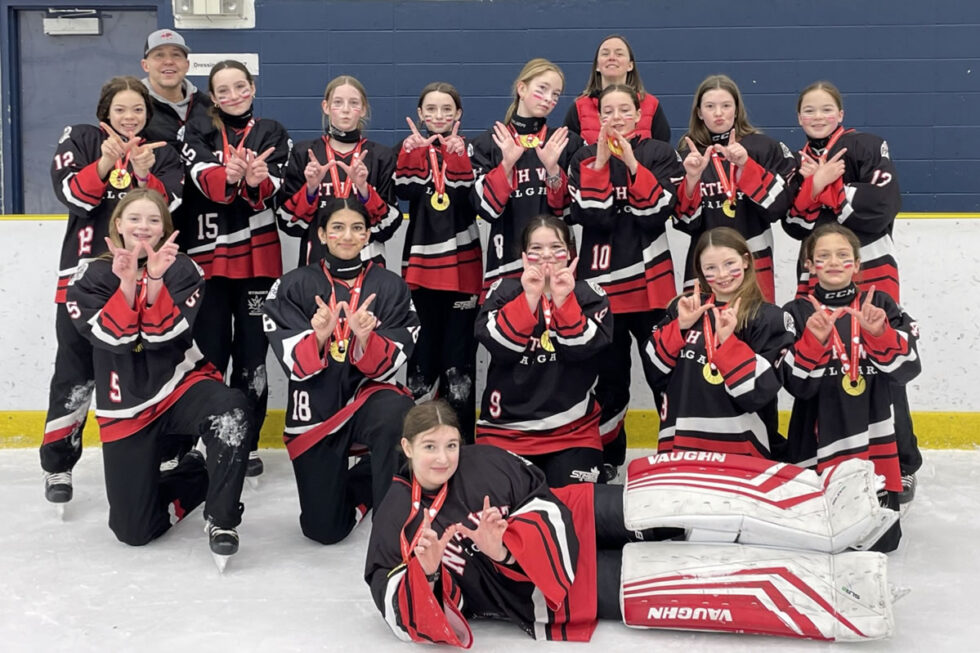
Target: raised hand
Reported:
point(314, 172)
point(627, 155)
point(159, 261)
point(726, 319)
point(258, 169)
point(734, 152)
point(113, 149)
point(358, 173)
point(821, 323)
point(532, 280)
point(363, 321)
point(236, 166)
point(430, 547)
point(415, 139)
point(690, 309)
point(489, 534)
point(828, 171)
point(125, 263)
point(453, 144)
point(550, 152)
point(143, 157)
point(563, 283)
point(695, 162)
point(808, 165)
point(872, 318)
point(323, 322)
point(510, 150)
point(602, 152)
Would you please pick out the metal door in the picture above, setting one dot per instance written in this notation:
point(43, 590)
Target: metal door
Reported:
point(60, 79)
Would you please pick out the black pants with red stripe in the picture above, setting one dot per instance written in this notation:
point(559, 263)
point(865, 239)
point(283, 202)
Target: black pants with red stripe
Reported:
point(445, 353)
point(144, 502)
point(568, 466)
point(229, 327)
point(333, 498)
point(69, 397)
point(613, 389)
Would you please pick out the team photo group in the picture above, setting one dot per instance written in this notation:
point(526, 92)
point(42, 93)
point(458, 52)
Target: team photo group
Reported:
point(518, 504)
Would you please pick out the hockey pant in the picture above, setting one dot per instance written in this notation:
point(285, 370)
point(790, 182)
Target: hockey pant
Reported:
point(229, 327)
point(909, 457)
point(567, 466)
point(444, 359)
point(756, 590)
point(720, 497)
point(144, 502)
point(332, 498)
point(69, 397)
point(613, 388)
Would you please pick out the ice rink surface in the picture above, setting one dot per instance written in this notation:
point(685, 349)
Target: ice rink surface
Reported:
point(70, 586)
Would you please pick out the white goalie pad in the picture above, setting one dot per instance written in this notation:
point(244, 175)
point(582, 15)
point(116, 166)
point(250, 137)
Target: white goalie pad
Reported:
point(717, 497)
point(756, 590)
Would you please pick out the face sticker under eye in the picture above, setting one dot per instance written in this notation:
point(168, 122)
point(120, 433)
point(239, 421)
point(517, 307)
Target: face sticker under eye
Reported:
point(533, 257)
point(736, 273)
point(560, 255)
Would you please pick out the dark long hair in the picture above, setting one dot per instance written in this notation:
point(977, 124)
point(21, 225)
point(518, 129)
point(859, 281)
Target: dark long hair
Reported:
point(117, 85)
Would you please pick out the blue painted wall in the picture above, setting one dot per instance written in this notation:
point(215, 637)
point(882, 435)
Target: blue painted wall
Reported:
point(909, 70)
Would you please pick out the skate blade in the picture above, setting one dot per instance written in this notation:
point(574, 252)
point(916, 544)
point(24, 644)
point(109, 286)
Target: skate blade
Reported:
point(220, 562)
point(59, 511)
point(253, 482)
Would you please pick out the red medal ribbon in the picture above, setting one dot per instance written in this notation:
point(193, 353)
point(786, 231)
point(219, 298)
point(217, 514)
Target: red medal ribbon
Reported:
point(849, 364)
point(709, 336)
point(226, 149)
point(833, 139)
point(540, 135)
point(408, 549)
point(341, 191)
point(438, 176)
point(727, 183)
point(341, 333)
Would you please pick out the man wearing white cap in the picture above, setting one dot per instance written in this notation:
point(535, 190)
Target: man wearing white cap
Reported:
point(175, 99)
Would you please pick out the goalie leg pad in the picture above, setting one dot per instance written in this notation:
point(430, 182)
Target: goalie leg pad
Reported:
point(720, 497)
point(726, 588)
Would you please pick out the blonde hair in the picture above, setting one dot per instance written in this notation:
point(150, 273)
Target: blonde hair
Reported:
point(698, 131)
point(531, 69)
point(134, 196)
point(347, 80)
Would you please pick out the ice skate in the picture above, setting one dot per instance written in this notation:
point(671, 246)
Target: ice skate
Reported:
point(223, 543)
point(254, 469)
point(58, 490)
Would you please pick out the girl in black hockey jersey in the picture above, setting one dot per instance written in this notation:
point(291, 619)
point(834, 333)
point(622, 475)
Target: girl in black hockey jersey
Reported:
point(735, 176)
point(93, 168)
point(848, 177)
point(545, 334)
point(234, 160)
point(442, 261)
point(851, 347)
point(520, 167)
point(623, 193)
point(136, 305)
point(475, 531)
point(342, 329)
point(713, 356)
point(614, 63)
point(340, 164)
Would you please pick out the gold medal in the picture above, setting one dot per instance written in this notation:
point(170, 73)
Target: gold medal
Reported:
point(119, 178)
point(439, 201)
point(614, 147)
point(728, 208)
point(529, 141)
point(338, 350)
point(546, 343)
point(712, 375)
point(853, 388)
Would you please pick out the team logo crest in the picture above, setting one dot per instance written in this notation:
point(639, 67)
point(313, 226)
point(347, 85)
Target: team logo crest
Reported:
point(789, 323)
point(255, 299)
point(884, 150)
point(65, 135)
point(273, 290)
point(786, 152)
point(596, 288)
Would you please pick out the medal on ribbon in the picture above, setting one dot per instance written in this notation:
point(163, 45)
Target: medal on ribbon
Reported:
point(727, 184)
point(439, 200)
point(710, 371)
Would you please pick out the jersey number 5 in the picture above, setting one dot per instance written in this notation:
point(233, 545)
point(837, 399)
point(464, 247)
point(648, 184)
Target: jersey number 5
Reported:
point(115, 392)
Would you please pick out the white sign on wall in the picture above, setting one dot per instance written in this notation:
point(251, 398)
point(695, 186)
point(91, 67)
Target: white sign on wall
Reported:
point(202, 63)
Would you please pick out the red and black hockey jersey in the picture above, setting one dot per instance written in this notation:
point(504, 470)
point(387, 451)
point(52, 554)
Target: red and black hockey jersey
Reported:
point(230, 229)
point(298, 208)
point(538, 397)
point(442, 248)
point(583, 119)
point(624, 240)
point(865, 200)
point(325, 393)
point(763, 196)
point(830, 424)
point(549, 591)
point(91, 200)
point(508, 204)
point(734, 415)
point(145, 356)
